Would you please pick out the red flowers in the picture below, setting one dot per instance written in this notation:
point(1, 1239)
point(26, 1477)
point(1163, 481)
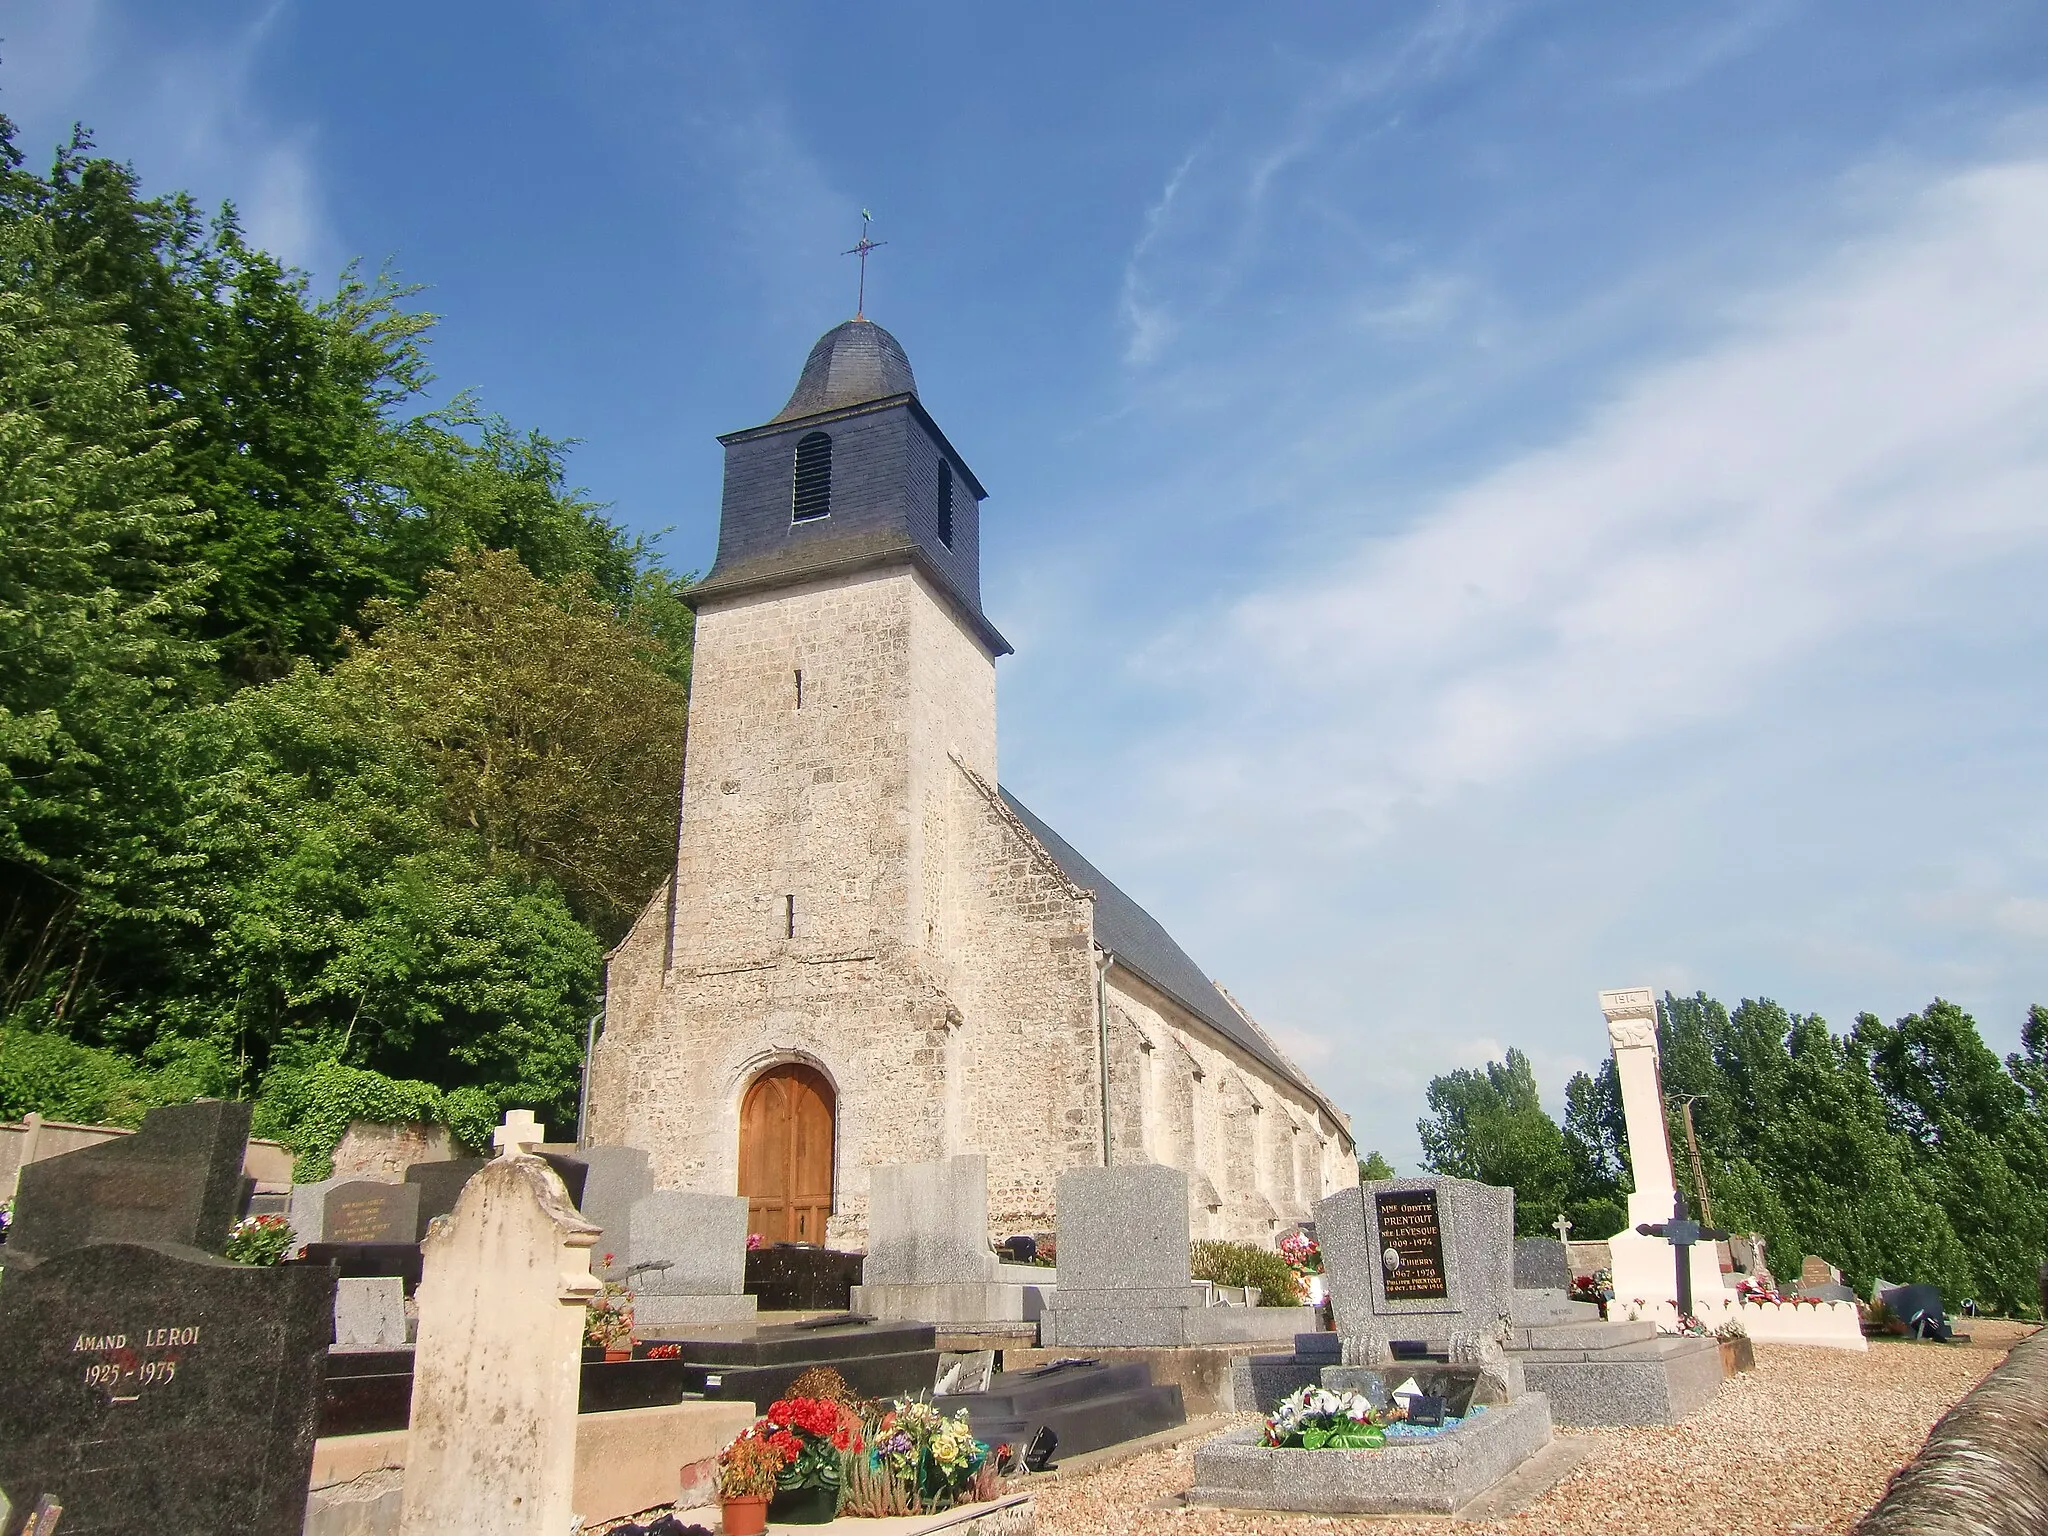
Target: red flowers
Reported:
point(792, 1423)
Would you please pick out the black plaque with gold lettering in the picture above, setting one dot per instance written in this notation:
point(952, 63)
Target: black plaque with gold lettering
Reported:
point(155, 1387)
point(1411, 1245)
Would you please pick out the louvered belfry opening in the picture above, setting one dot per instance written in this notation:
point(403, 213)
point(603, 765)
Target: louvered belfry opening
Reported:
point(946, 505)
point(812, 497)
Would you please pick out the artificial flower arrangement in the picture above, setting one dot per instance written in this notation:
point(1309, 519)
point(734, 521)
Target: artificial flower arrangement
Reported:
point(1303, 1254)
point(813, 1435)
point(934, 1459)
point(1687, 1327)
point(1316, 1419)
point(259, 1240)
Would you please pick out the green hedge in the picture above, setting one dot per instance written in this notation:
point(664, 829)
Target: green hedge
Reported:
point(1247, 1264)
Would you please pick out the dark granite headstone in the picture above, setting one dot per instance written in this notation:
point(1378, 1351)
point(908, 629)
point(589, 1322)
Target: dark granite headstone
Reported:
point(795, 1277)
point(177, 1180)
point(363, 1211)
point(155, 1387)
point(440, 1184)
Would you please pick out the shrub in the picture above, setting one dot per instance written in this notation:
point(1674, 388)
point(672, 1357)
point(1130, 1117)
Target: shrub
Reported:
point(309, 1108)
point(1248, 1264)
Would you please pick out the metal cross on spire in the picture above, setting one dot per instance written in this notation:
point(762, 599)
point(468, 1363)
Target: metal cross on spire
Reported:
point(861, 250)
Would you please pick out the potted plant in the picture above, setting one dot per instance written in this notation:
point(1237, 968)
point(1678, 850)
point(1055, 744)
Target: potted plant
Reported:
point(259, 1240)
point(812, 1435)
point(747, 1470)
point(609, 1323)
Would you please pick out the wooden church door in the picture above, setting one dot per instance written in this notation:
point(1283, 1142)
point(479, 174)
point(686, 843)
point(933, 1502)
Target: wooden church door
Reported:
point(786, 1154)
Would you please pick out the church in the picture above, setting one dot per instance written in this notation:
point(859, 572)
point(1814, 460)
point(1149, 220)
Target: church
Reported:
point(869, 952)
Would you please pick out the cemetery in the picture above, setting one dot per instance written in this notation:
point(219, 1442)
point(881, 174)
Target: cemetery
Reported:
point(501, 1038)
point(370, 1378)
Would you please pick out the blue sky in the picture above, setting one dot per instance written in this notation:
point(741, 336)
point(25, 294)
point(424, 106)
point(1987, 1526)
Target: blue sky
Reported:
point(1492, 501)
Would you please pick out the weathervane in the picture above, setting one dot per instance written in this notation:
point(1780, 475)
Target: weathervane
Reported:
point(861, 250)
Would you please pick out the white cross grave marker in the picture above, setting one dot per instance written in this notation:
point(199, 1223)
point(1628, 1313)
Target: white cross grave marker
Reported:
point(520, 1133)
point(1563, 1226)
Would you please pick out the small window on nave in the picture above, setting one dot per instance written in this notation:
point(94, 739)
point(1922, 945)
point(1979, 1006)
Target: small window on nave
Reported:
point(812, 495)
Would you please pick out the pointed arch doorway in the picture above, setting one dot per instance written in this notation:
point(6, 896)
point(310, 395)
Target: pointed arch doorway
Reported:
point(786, 1141)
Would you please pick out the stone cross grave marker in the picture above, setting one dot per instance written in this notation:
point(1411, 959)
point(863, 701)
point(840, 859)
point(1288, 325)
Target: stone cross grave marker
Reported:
point(361, 1211)
point(519, 1132)
point(498, 1363)
point(177, 1180)
point(1564, 1228)
point(156, 1386)
point(1681, 1232)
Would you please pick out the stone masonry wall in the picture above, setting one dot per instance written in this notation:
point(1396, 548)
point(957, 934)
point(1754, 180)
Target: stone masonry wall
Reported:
point(941, 973)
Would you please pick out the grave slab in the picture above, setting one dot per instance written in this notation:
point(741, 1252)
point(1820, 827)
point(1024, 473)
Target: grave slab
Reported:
point(156, 1383)
point(1438, 1475)
point(684, 1244)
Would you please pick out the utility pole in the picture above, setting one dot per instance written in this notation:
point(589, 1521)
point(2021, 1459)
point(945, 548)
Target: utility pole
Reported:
point(1699, 1172)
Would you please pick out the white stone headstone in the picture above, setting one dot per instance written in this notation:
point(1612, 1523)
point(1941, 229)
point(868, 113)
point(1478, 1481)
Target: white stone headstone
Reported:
point(498, 1364)
point(519, 1132)
point(369, 1313)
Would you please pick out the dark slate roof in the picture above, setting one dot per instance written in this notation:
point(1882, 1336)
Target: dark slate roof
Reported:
point(1142, 946)
point(851, 364)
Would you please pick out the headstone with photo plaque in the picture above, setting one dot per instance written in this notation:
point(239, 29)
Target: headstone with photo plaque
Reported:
point(1429, 1260)
point(152, 1385)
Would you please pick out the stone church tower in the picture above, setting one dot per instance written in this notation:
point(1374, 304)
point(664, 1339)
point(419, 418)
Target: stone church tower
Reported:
point(870, 954)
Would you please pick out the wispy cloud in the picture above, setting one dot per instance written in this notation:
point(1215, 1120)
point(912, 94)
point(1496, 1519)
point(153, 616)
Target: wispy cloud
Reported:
point(1858, 437)
point(191, 116)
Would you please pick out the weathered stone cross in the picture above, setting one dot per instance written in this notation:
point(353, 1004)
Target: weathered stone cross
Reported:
point(1681, 1232)
point(1564, 1227)
point(520, 1133)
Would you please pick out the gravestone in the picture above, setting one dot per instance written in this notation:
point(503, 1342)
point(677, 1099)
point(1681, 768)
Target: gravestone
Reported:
point(361, 1211)
point(686, 1259)
point(1427, 1258)
point(928, 1252)
point(154, 1386)
point(177, 1180)
point(928, 1223)
point(307, 1210)
point(1818, 1271)
point(369, 1313)
point(440, 1184)
point(1124, 1269)
point(498, 1364)
point(1542, 1264)
point(616, 1178)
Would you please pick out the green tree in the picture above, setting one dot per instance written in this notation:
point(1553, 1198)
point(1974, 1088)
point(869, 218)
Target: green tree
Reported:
point(1490, 1125)
point(550, 727)
point(1372, 1167)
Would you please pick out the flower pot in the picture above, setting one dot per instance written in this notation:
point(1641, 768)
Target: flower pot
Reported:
point(1737, 1355)
point(611, 1353)
point(744, 1517)
point(803, 1506)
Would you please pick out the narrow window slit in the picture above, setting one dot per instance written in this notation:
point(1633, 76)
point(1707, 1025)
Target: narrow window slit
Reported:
point(789, 917)
point(799, 687)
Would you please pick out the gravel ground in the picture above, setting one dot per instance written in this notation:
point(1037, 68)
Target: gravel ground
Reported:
point(1804, 1443)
